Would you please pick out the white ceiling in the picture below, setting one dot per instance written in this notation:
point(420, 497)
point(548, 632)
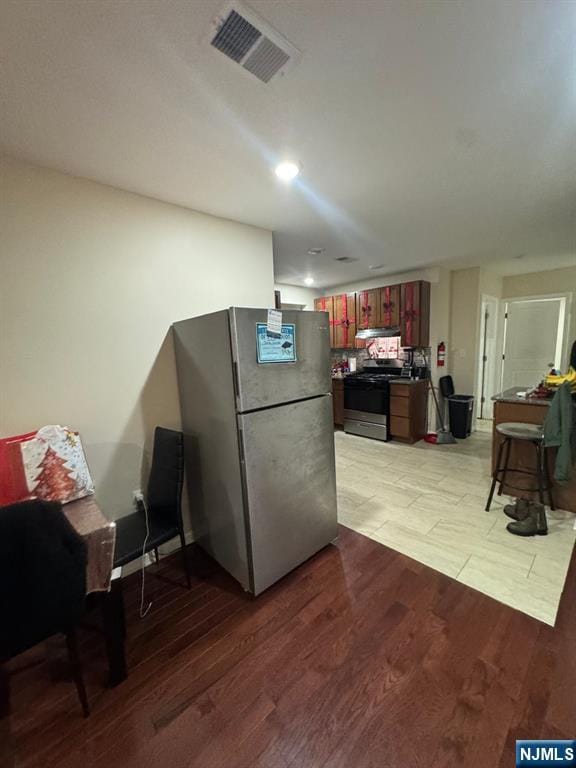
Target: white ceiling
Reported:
point(428, 132)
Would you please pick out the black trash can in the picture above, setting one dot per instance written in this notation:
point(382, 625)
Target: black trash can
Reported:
point(460, 408)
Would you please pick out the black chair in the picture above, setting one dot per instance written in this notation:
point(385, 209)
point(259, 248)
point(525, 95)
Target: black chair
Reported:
point(163, 505)
point(42, 585)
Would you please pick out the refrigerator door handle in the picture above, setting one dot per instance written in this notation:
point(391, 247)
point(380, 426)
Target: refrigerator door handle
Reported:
point(235, 377)
point(241, 445)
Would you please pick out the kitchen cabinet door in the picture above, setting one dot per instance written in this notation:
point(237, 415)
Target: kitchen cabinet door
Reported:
point(367, 312)
point(408, 410)
point(326, 304)
point(415, 314)
point(368, 309)
point(389, 306)
point(345, 321)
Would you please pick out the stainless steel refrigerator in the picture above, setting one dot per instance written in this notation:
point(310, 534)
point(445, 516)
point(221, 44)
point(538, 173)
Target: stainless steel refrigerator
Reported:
point(259, 439)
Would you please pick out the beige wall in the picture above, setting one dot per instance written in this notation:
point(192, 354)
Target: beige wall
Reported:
point(543, 283)
point(464, 326)
point(540, 283)
point(295, 294)
point(91, 279)
point(491, 284)
point(430, 274)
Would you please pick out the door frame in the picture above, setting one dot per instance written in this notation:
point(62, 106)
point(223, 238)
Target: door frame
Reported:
point(563, 325)
point(481, 367)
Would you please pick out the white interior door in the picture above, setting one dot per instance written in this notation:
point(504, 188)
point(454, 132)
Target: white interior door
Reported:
point(533, 340)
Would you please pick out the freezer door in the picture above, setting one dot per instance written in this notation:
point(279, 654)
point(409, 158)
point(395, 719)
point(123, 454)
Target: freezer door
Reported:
point(290, 485)
point(260, 385)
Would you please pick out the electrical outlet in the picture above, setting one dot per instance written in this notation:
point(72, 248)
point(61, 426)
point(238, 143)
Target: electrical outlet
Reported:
point(137, 496)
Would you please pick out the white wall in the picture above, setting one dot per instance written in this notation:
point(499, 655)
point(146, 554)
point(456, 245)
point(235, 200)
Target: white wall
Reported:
point(91, 279)
point(295, 294)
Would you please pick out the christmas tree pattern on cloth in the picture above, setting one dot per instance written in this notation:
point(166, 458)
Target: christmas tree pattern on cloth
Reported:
point(54, 482)
point(55, 466)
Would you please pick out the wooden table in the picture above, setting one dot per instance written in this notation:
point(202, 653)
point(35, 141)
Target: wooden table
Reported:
point(509, 407)
point(101, 581)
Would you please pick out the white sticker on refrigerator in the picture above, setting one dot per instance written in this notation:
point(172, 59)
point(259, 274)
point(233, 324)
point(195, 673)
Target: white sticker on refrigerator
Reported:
point(274, 323)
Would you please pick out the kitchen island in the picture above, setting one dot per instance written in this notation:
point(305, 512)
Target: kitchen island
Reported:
point(508, 406)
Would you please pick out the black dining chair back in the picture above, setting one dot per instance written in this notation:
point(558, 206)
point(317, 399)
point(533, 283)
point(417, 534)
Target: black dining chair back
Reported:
point(160, 519)
point(42, 583)
point(164, 497)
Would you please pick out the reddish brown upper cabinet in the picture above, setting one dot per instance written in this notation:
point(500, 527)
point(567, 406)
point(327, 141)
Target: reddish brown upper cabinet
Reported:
point(415, 314)
point(389, 306)
point(345, 321)
point(368, 308)
point(367, 312)
point(326, 304)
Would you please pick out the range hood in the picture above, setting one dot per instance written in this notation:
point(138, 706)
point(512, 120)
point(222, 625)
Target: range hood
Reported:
point(374, 333)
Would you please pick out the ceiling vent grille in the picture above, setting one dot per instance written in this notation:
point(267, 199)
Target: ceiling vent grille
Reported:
point(235, 37)
point(245, 38)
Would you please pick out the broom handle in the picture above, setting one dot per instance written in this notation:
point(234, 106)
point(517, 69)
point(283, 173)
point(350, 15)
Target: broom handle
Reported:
point(440, 419)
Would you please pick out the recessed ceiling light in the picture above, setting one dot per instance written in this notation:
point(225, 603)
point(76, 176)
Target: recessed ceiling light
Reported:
point(377, 266)
point(287, 171)
point(309, 280)
point(316, 251)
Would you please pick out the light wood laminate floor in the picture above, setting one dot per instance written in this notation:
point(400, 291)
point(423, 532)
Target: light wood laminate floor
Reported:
point(427, 502)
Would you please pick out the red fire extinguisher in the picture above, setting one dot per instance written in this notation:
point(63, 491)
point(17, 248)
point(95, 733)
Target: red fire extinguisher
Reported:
point(441, 355)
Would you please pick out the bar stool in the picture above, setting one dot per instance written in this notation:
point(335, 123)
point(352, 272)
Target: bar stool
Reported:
point(531, 433)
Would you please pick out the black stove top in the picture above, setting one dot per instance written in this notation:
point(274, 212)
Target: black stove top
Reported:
point(372, 377)
point(394, 373)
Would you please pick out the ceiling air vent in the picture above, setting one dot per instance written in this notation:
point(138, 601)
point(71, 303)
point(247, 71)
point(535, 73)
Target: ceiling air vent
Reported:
point(245, 38)
point(345, 259)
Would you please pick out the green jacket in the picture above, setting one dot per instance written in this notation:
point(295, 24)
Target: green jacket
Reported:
point(560, 432)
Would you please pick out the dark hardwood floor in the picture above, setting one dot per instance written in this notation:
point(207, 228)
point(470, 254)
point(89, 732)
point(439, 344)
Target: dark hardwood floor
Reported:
point(360, 658)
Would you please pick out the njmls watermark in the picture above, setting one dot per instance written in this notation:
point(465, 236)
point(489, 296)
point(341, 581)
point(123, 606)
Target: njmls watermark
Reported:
point(546, 753)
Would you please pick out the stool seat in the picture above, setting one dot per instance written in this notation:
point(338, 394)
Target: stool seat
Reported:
point(519, 431)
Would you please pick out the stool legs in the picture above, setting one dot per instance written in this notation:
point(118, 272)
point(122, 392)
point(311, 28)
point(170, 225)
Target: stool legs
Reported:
point(498, 469)
point(505, 468)
point(540, 471)
point(501, 470)
point(547, 478)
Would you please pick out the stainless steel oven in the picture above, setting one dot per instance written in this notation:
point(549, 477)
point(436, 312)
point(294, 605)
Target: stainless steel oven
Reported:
point(367, 405)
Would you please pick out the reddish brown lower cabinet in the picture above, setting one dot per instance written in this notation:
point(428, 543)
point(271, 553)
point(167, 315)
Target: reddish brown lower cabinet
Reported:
point(415, 314)
point(345, 321)
point(326, 304)
point(338, 401)
point(408, 410)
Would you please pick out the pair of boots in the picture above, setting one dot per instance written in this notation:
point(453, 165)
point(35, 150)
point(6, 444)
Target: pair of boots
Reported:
point(529, 518)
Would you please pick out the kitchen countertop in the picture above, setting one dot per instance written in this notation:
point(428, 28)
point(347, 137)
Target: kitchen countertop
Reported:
point(407, 381)
point(342, 376)
point(511, 396)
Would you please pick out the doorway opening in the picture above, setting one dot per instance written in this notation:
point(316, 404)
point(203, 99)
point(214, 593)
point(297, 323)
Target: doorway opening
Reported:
point(535, 339)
